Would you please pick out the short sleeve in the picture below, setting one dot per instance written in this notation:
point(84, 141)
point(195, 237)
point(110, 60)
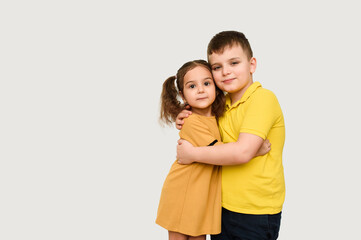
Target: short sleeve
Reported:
point(197, 132)
point(261, 114)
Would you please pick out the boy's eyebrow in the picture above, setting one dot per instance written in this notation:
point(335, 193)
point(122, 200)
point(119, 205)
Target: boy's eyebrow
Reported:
point(231, 59)
point(234, 58)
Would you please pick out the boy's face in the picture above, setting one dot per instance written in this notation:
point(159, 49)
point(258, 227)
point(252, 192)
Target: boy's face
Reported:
point(232, 70)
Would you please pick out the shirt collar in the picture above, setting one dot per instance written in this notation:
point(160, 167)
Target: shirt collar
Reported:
point(250, 90)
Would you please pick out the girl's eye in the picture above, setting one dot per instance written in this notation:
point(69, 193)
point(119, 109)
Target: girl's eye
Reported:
point(192, 86)
point(207, 83)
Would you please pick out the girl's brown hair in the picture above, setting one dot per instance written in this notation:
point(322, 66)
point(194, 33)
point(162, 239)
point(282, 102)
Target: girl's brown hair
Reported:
point(170, 104)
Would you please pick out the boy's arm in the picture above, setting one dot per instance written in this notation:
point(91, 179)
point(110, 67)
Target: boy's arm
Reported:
point(233, 153)
point(180, 118)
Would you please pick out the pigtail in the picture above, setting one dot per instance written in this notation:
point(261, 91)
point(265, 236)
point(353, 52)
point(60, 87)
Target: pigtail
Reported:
point(170, 105)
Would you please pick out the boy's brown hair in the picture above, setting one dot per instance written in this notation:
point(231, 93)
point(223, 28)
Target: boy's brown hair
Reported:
point(171, 106)
point(227, 39)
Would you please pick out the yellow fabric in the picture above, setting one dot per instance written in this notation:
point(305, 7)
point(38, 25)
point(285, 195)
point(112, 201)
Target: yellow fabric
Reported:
point(190, 201)
point(258, 186)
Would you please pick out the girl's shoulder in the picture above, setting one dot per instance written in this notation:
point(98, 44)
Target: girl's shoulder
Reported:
point(197, 122)
point(198, 119)
point(199, 130)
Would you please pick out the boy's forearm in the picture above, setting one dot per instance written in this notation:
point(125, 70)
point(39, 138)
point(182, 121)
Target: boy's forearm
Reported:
point(225, 154)
point(233, 153)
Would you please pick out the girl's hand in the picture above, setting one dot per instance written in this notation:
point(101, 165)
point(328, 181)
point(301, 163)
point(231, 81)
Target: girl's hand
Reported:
point(264, 149)
point(180, 118)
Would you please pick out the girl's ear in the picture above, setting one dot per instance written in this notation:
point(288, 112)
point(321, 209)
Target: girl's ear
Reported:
point(184, 100)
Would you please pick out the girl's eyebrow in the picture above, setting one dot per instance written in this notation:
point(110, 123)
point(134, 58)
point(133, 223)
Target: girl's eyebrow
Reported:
point(189, 82)
point(192, 81)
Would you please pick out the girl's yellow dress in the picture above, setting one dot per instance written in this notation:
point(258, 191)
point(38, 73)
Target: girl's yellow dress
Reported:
point(190, 201)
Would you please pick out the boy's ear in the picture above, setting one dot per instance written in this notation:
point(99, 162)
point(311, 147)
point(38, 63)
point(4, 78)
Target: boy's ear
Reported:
point(253, 63)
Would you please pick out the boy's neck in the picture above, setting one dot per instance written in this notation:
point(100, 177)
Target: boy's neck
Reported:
point(236, 96)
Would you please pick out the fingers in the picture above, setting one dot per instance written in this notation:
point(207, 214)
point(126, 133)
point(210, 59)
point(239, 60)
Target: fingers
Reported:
point(179, 142)
point(184, 114)
point(267, 143)
point(179, 124)
point(179, 120)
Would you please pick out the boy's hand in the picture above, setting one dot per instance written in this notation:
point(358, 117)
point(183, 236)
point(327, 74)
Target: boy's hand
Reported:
point(180, 118)
point(184, 148)
point(264, 149)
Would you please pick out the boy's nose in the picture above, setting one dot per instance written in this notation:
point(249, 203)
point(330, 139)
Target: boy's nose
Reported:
point(225, 70)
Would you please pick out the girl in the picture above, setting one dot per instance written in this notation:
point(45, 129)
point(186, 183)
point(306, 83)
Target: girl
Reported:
point(190, 202)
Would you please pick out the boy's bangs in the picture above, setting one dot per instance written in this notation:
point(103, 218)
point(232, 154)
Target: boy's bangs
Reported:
point(220, 49)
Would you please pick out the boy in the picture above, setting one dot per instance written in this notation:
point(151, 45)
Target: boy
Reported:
point(253, 188)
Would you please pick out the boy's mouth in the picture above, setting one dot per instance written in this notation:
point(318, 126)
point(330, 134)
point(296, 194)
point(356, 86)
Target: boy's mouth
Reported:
point(228, 80)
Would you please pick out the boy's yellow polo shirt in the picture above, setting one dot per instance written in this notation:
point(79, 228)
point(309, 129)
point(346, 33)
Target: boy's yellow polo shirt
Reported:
point(256, 187)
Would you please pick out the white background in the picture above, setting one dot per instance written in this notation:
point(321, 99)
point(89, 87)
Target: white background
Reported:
point(82, 153)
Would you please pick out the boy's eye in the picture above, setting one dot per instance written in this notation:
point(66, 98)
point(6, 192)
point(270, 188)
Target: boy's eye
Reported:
point(216, 68)
point(235, 63)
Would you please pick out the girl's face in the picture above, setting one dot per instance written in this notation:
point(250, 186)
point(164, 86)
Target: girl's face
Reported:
point(199, 90)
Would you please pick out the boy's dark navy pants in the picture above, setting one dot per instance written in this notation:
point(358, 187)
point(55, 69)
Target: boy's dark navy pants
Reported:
point(239, 226)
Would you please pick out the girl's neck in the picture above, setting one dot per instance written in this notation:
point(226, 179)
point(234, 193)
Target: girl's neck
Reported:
point(207, 112)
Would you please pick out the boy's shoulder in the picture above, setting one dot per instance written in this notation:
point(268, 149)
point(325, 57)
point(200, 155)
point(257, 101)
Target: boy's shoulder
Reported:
point(261, 89)
point(264, 98)
point(264, 92)
point(256, 91)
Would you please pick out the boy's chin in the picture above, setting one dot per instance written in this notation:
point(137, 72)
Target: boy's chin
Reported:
point(231, 89)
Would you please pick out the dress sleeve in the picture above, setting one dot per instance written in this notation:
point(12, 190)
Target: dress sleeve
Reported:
point(197, 132)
